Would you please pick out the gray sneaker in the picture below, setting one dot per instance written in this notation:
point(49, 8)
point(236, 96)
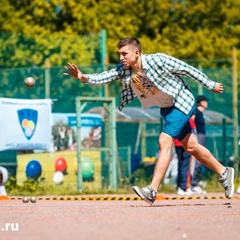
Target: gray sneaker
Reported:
point(148, 194)
point(228, 182)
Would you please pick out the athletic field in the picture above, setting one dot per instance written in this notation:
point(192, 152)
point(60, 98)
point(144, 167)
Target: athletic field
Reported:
point(203, 217)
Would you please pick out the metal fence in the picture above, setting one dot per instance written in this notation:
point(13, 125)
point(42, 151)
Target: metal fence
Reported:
point(51, 83)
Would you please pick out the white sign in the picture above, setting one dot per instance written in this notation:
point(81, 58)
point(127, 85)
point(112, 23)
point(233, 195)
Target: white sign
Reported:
point(25, 124)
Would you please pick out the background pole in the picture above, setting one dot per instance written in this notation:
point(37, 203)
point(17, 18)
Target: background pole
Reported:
point(103, 59)
point(235, 106)
point(47, 66)
point(200, 87)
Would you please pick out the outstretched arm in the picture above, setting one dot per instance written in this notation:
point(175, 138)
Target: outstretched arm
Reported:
point(180, 68)
point(218, 88)
point(75, 72)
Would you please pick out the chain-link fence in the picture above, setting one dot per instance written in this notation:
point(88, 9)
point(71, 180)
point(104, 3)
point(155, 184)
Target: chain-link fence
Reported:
point(51, 83)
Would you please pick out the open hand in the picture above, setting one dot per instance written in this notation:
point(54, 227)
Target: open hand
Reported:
point(73, 70)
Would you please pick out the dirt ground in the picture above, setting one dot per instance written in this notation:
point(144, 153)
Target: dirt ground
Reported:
point(206, 218)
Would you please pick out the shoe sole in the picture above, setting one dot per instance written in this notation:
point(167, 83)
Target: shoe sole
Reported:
point(185, 194)
point(203, 192)
point(135, 189)
point(180, 194)
point(232, 182)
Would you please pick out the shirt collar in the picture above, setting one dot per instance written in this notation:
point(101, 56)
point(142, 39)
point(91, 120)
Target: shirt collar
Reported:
point(145, 66)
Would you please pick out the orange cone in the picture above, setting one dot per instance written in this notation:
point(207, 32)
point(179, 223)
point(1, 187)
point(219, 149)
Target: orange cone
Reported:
point(3, 193)
point(160, 197)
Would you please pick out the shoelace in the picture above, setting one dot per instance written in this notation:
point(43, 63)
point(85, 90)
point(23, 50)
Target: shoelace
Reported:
point(225, 185)
point(224, 180)
point(151, 191)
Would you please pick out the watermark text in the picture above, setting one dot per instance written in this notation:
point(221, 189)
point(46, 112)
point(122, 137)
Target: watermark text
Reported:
point(10, 227)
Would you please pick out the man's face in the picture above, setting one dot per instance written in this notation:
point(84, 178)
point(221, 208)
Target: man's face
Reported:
point(204, 104)
point(128, 55)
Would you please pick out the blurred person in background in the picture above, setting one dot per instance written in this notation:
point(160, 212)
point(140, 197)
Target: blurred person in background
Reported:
point(171, 175)
point(62, 134)
point(184, 159)
point(202, 104)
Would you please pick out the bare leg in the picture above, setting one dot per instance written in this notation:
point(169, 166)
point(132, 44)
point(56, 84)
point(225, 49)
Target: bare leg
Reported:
point(163, 160)
point(202, 154)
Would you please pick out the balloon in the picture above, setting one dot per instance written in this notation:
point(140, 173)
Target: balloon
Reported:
point(87, 168)
point(33, 169)
point(75, 165)
point(61, 165)
point(58, 177)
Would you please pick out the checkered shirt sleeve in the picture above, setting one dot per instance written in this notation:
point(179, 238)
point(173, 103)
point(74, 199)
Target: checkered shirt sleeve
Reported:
point(180, 68)
point(167, 72)
point(105, 77)
point(119, 72)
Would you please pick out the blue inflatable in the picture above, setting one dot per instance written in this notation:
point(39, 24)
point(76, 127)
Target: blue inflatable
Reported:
point(33, 169)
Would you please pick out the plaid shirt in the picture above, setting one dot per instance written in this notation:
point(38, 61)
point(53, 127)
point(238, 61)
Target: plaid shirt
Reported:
point(165, 72)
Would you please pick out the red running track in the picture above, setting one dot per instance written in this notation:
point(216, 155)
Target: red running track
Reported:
point(200, 219)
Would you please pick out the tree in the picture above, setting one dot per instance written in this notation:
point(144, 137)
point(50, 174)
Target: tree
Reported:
point(186, 29)
point(32, 31)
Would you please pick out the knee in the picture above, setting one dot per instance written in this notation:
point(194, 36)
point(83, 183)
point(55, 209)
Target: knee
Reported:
point(191, 149)
point(165, 142)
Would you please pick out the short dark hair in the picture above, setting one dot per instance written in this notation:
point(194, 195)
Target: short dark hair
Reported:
point(201, 98)
point(129, 41)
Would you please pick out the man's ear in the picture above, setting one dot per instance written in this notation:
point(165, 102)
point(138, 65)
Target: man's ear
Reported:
point(137, 53)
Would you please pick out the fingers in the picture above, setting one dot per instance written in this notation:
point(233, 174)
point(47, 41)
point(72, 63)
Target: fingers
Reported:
point(219, 88)
point(67, 68)
point(66, 74)
point(71, 67)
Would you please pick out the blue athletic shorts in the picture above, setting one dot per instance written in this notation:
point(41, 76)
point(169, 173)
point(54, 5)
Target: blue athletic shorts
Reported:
point(176, 122)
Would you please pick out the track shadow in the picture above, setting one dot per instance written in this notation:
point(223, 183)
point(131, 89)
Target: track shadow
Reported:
point(180, 205)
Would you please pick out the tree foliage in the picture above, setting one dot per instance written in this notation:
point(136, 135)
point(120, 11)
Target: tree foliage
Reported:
point(33, 31)
point(54, 28)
